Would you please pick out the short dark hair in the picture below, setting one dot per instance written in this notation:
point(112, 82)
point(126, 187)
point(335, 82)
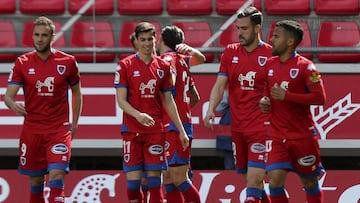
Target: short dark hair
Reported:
point(172, 36)
point(256, 16)
point(42, 20)
point(292, 27)
point(144, 27)
point(132, 39)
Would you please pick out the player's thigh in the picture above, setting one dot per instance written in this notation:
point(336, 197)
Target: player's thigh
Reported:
point(133, 157)
point(256, 148)
point(239, 150)
point(154, 151)
point(175, 154)
point(58, 148)
point(32, 151)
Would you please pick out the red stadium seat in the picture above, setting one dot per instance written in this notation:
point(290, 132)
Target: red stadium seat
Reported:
point(102, 7)
point(7, 6)
point(306, 42)
point(7, 40)
point(229, 7)
point(196, 33)
point(338, 34)
point(40, 7)
point(189, 7)
point(336, 7)
point(287, 7)
point(92, 34)
point(127, 28)
point(140, 7)
point(27, 32)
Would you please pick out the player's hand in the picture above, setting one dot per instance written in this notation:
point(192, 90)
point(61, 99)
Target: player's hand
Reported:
point(19, 109)
point(183, 49)
point(209, 120)
point(184, 140)
point(145, 119)
point(277, 92)
point(264, 104)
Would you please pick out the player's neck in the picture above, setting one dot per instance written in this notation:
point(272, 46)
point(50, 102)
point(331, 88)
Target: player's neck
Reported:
point(44, 55)
point(253, 45)
point(146, 57)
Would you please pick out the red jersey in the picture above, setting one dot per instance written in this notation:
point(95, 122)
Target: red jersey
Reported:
point(182, 85)
point(246, 75)
point(45, 85)
point(298, 75)
point(144, 83)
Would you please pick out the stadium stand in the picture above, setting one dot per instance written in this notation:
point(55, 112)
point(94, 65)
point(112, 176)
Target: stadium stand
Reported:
point(27, 31)
point(338, 34)
point(189, 7)
point(306, 42)
point(126, 29)
point(229, 7)
point(287, 7)
point(93, 34)
point(196, 33)
point(7, 40)
point(7, 6)
point(336, 7)
point(102, 7)
point(42, 7)
point(140, 7)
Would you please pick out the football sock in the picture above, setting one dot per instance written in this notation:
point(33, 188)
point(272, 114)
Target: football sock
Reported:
point(173, 195)
point(37, 194)
point(57, 194)
point(190, 192)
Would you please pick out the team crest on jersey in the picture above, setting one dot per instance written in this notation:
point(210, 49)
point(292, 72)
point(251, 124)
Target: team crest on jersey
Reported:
point(160, 73)
point(61, 69)
point(294, 72)
point(262, 60)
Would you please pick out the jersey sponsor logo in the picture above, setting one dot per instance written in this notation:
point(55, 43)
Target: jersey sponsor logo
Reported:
point(284, 85)
point(156, 149)
point(262, 60)
point(257, 148)
point(250, 78)
point(48, 83)
point(149, 85)
point(294, 72)
point(61, 69)
point(307, 160)
point(59, 149)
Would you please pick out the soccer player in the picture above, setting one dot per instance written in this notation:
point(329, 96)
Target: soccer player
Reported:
point(294, 84)
point(242, 71)
point(141, 80)
point(45, 75)
point(178, 185)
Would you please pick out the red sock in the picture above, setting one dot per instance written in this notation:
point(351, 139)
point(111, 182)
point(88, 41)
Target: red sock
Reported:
point(37, 197)
point(135, 195)
point(57, 195)
point(279, 199)
point(156, 195)
point(319, 198)
point(190, 193)
point(174, 196)
point(252, 199)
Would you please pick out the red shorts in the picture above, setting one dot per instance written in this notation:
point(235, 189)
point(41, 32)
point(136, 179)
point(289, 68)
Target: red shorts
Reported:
point(40, 153)
point(248, 149)
point(301, 155)
point(143, 151)
point(175, 153)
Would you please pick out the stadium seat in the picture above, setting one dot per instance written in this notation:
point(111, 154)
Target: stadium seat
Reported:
point(196, 34)
point(92, 34)
point(41, 7)
point(189, 7)
point(7, 6)
point(336, 7)
point(27, 32)
point(127, 28)
point(102, 7)
point(7, 40)
point(338, 34)
point(229, 7)
point(140, 7)
point(306, 42)
point(287, 7)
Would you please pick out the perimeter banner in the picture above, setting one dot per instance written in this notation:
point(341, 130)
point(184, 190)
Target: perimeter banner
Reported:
point(214, 187)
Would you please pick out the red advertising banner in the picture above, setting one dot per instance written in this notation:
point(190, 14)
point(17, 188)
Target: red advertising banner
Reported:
point(101, 117)
point(214, 186)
